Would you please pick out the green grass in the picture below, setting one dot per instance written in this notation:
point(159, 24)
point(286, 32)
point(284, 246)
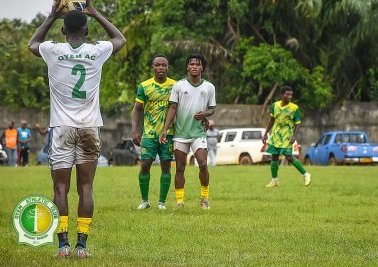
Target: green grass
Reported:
point(333, 222)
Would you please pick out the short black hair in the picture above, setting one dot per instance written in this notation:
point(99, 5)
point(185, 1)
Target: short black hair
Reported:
point(74, 21)
point(285, 88)
point(158, 55)
point(199, 57)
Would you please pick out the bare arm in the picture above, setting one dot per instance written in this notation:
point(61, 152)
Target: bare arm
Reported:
point(42, 131)
point(270, 125)
point(135, 121)
point(116, 37)
point(296, 130)
point(40, 34)
point(168, 121)
point(203, 114)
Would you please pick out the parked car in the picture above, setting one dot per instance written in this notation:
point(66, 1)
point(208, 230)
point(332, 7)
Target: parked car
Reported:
point(125, 153)
point(42, 158)
point(238, 146)
point(3, 156)
point(338, 147)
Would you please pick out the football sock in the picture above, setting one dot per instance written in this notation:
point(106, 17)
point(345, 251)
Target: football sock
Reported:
point(180, 194)
point(165, 183)
point(144, 185)
point(81, 240)
point(63, 239)
point(274, 168)
point(83, 225)
point(63, 224)
point(204, 192)
point(296, 163)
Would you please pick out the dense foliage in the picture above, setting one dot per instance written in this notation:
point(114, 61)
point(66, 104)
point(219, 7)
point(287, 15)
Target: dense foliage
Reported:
point(324, 48)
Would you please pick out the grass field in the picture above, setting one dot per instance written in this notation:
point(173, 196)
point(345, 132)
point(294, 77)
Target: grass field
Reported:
point(334, 222)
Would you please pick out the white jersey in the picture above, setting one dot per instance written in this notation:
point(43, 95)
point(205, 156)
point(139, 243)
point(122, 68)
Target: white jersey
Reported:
point(191, 100)
point(74, 80)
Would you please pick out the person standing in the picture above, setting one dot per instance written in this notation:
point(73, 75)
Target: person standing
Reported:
point(152, 103)
point(24, 138)
point(284, 122)
point(74, 72)
point(192, 100)
point(212, 141)
point(9, 140)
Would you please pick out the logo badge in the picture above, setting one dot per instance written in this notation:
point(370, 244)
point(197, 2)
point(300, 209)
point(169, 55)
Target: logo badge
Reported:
point(35, 219)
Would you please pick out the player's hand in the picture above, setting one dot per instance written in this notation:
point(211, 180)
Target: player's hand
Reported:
point(136, 138)
point(56, 9)
point(265, 137)
point(200, 116)
point(91, 11)
point(205, 123)
point(163, 138)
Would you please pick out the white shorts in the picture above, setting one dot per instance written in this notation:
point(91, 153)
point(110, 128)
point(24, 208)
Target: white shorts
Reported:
point(185, 145)
point(70, 146)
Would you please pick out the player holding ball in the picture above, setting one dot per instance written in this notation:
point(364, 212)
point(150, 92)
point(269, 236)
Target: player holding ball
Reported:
point(74, 72)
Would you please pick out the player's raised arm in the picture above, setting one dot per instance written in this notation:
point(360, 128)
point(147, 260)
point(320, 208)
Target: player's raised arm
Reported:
point(116, 37)
point(40, 34)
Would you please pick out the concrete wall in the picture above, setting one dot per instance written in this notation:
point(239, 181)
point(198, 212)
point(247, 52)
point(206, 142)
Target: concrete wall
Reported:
point(348, 116)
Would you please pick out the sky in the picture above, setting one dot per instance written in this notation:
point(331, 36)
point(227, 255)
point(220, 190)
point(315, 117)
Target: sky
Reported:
point(24, 9)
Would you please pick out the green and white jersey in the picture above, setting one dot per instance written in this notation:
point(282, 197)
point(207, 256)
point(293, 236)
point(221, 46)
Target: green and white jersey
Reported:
point(155, 99)
point(191, 100)
point(284, 120)
point(74, 80)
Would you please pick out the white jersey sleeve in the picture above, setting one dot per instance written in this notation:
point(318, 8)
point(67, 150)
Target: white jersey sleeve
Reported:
point(175, 93)
point(212, 101)
point(74, 81)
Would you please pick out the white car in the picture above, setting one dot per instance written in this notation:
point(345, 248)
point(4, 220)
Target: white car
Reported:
point(238, 146)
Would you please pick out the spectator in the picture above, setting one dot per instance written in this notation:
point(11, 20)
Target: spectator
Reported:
point(44, 131)
point(24, 138)
point(212, 135)
point(9, 141)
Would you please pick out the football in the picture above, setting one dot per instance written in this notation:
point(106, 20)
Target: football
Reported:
point(73, 5)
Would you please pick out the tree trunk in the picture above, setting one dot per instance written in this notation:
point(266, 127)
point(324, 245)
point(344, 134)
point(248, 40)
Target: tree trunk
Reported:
point(267, 99)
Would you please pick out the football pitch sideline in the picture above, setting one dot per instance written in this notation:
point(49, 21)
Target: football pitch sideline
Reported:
point(333, 222)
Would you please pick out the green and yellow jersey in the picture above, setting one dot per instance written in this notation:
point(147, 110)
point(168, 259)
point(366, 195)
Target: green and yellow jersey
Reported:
point(155, 99)
point(285, 118)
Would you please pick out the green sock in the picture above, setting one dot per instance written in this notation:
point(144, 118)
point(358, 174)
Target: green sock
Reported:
point(298, 166)
point(144, 185)
point(274, 168)
point(165, 183)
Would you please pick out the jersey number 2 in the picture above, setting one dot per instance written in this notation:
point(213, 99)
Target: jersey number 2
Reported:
point(76, 93)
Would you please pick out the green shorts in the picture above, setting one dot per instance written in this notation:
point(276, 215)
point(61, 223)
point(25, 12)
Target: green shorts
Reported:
point(150, 147)
point(279, 151)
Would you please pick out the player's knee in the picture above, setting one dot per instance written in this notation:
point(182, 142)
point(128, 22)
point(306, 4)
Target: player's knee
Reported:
point(165, 166)
point(86, 188)
point(202, 165)
point(145, 166)
point(180, 169)
point(61, 189)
